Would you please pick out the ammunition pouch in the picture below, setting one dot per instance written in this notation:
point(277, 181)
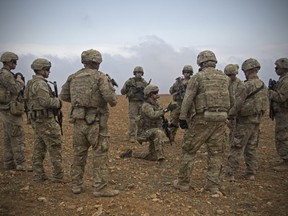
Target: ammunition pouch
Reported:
point(215, 115)
point(17, 108)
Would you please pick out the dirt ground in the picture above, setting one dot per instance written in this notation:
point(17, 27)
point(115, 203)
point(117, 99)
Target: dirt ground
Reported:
point(145, 187)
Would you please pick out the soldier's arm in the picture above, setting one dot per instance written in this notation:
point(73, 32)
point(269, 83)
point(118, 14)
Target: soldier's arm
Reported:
point(125, 88)
point(150, 112)
point(280, 94)
point(107, 91)
point(41, 89)
point(173, 88)
point(65, 91)
point(11, 84)
point(189, 96)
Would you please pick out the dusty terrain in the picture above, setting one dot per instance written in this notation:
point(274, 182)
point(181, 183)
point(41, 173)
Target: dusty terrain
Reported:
point(145, 187)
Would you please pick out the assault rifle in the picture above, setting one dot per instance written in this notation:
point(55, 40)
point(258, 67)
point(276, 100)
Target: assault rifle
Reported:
point(271, 86)
point(113, 82)
point(22, 94)
point(165, 123)
point(57, 112)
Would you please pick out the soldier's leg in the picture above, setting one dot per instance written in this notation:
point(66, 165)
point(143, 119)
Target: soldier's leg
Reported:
point(133, 114)
point(281, 135)
point(38, 158)
point(250, 156)
point(174, 122)
point(8, 155)
point(80, 152)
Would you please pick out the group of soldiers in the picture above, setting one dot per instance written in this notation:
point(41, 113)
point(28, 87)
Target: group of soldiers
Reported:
point(205, 104)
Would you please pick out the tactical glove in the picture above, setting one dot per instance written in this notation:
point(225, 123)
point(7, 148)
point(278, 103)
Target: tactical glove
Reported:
point(170, 107)
point(183, 124)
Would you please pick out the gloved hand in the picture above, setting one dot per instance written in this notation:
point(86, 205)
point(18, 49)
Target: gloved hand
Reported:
point(170, 107)
point(183, 124)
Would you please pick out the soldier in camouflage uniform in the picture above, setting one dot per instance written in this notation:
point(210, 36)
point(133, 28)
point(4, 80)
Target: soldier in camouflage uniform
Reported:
point(177, 90)
point(204, 114)
point(150, 128)
point(279, 99)
point(13, 130)
point(89, 91)
point(42, 105)
point(133, 89)
point(250, 105)
point(235, 86)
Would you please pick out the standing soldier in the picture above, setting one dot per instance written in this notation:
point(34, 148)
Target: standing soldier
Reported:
point(89, 91)
point(42, 106)
point(134, 90)
point(207, 98)
point(178, 90)
point(278, 96)
point(14, 137)
point(250, 105)
point(235, 86)
point(150, 127)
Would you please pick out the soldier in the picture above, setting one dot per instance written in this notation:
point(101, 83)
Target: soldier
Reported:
point(150, 127)
point(278, 95)
point(42, 105)
point(250, 105)
point(178, 91)
point(133, 89)
point(89, 91)
point(10, 98)
point(204, 114)
point(235, 86)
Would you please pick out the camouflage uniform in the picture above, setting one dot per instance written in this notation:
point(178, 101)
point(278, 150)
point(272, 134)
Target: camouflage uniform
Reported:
point(42, 105)
point(89, 91)
point(235, 86)
point(178, 91)
point(250, 105)
point(150, 128)
point(204, 108)
point(133, 89)
point(13, 130)
point(279, 98)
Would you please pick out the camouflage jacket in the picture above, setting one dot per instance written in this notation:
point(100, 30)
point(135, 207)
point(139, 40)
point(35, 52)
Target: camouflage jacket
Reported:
point(279, 95)
point(235, 87)
point(9, 87)
point(134, 89)
point(178, 89)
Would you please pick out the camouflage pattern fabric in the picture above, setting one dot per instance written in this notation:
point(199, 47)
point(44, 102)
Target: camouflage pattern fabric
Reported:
point(41, 102)
point(134, 90)
point(13, 130)
point(90, 122)
point(178, 92)
point(247, 125)
point(151, 131)
point(279, 98)
point(199, 130)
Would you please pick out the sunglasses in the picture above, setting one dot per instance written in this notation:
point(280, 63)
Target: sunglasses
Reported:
point(14, 61)
point(154, 92)
point(46, 69)
point(276, 68)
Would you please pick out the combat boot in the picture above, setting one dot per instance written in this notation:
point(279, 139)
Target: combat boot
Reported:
point(77, 189)
point(126, 154)
point(40, 178)
point(102, 190)
point(24, 167)
point(282, 166)
point(181, 187)
point(60, 180)
point(248, 176)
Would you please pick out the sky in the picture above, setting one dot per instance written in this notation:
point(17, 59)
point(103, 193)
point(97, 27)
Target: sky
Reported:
point(160, 35)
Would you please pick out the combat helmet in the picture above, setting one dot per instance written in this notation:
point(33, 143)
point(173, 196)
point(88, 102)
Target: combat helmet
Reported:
point(138, 69)
point(8, 56)
point(231, 69)
point(250, 64)
point(149, 89)
point(205, 56)
point(91, 56)
point(40, 63)
point(282, 63)
point(188, 68)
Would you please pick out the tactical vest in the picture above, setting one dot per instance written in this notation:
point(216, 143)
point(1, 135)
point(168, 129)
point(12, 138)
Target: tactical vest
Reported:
point(5, 95)
point(136, 89)
point(256, 99)
point(213, 93)
point(84, 88)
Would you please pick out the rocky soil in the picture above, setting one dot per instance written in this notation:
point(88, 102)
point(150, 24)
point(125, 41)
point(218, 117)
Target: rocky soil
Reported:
point(145, 187)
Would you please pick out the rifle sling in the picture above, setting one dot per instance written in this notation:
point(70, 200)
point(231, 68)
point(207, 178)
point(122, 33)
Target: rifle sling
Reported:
point(256, 91)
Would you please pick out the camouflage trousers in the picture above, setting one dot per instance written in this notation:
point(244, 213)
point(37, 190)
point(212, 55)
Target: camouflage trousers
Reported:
point(133, 113)
point(198, 133)
point(174, 121)
point(85, 136)
point(47, 139)
point(245, 138)
point(156, 138)
point(14, 139)
point(281, 134)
